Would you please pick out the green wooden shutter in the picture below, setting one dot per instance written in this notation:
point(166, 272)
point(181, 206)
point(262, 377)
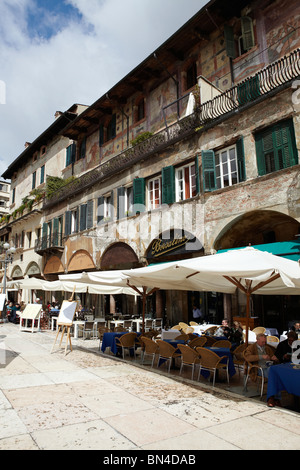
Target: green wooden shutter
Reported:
point(55, 232)
point(44, 235)
point(90, 214)
point(68, 218)
point(82, 224)
point(121, 203)
point(168, 185)
point(208, 168)
point(247, 33)
point(197, 174)
point(42, 177)
point(241, 159)
point(229, 41)
point(138, 195)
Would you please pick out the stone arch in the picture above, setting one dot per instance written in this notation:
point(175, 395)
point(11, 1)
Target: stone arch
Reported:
point(119, 256)
point(81, 260)
point(33, 269)
point(256, 228)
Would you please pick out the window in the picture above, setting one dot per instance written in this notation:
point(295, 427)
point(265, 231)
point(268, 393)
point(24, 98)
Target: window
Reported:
point(185, 182)
point(13, 197)
point(224, 167)
point(74, 221)
point(154, 193)
point(111, 128)
point(141, 110)
point(83, 148)
point(70, 154)
point(276, 148)
point(33, 180)
point(125, 202)
point(29, 239)
point(239, 38)
point(191, 76)
point(105, 210)
point(42, 177)
point(86, 215)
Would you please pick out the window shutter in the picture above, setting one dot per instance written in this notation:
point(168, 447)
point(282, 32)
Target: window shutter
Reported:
point(209, 172)
point(197, 174)
point(168, 185)
point(82, 225)
point(247, 33)
point(55, 232)
point(139, 194)
point(241, 159)
point(42, 178)
point(100, 209)
point(90, 214)
point(113, 126)
point(229, 41)
point(121, 203)
point(44, 235)
point(68, 218)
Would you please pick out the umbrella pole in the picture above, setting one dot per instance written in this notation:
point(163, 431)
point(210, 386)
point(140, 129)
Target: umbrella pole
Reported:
point(144, 308)
point(247, 316)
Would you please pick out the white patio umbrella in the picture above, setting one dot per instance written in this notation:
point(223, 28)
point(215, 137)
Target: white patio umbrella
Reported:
point(110, 282)
point(248, 269)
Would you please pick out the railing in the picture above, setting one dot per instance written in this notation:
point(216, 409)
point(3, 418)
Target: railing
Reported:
point(249, 91)
point(52, 241)
point(269, 78)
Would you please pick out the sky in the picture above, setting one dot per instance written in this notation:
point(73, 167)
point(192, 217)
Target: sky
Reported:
point(54, 53)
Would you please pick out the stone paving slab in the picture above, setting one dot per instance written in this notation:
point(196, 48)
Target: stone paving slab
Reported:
point(85, 400)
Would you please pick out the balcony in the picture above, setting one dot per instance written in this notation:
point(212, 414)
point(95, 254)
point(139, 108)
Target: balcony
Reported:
point(50, 244)
point(266, 82)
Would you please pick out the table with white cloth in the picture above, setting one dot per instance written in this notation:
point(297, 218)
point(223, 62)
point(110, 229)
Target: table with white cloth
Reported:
point(200, 329)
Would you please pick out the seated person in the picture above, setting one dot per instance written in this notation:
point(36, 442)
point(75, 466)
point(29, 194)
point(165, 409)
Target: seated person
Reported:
point(236, 334)
point(296, 328)
point(283, 351)
point(260, 354)
point(223, 330)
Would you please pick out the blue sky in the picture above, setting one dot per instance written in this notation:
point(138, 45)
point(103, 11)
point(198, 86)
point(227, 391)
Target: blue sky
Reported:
point(54, 53)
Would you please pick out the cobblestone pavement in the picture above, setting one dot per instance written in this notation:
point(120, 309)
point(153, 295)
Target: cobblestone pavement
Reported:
point(87, 400)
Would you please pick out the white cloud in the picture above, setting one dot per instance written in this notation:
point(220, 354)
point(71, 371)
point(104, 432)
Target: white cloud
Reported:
point(79, 63)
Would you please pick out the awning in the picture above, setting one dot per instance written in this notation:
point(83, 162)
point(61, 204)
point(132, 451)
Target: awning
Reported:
point(289, 249)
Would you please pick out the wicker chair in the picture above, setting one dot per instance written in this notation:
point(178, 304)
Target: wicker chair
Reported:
point(183, 325)
point(87, 330)
point(126, 341)
point(200, 341)
point(150, 348)
point(212, 362)
point(272, 339)
point(238, 358)
point(222, 343)
point(187, 330)
point(258, 330)
point(119, 329)
point(182, 337)
point(193, 323)
point(210, 340)
point(259, 374)
point(176, 327)
point(166, 351)
point(189, 357)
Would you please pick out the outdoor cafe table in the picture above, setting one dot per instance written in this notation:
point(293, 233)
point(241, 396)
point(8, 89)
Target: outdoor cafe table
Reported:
point(109, 341)
point(283, 377)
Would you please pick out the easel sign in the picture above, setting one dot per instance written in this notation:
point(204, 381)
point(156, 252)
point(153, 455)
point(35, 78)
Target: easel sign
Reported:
point(65, 321)
point(31, 312)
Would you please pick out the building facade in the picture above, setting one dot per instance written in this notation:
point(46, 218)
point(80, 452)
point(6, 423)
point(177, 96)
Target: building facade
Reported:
point(194, 151)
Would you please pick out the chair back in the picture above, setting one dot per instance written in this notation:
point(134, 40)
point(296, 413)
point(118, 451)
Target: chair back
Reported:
point(188, 329)
point(119, 329)
point(127, 340)
point(89, 325)
point(148, 323)
point(150, 345)
point(238, 352)
point(183, 325)
point(127, 323)
point(272, 339)
point(158, 322)
point(176, 327)
point(188, 355)
point(222, 343)
point(193, 323)
point(165, 349)
point(210, 340)
point(182, 337)
point(258, 330)
point(200, 342)
point(208, 358)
